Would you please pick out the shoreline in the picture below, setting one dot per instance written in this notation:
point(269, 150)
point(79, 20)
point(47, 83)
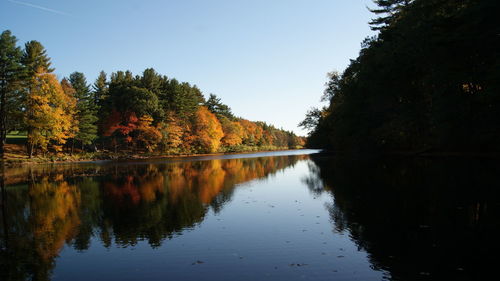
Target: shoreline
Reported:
point(111, 157)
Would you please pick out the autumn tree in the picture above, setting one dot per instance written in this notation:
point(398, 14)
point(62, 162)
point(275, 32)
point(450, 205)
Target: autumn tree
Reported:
point(37, 65)
point(124, 102)
point(49, 113)
point(252, 133)
point(119, 127)
point(233, 132)
point(207, 130)
point(147, 134)
point(71, 92)
point(172, 132)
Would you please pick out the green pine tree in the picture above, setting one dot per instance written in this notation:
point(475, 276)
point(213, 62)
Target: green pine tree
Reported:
point(11, 75)
point(215, 105)
point(86, 109)
point(35, 57)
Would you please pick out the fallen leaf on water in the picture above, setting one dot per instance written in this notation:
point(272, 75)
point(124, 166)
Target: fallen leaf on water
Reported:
point(298, 264)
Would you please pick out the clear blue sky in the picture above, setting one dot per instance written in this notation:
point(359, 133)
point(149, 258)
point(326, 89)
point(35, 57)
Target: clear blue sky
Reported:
point(266, 59)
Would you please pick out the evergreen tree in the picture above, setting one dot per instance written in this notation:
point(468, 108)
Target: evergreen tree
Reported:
point(151, 80)
point(215, 106)
point(11, 75)
point(182, 98)
point(86, 109)
point(424, 83)
point(100, 89)
point(102, 101)
point(35, 57)
point(389, 11)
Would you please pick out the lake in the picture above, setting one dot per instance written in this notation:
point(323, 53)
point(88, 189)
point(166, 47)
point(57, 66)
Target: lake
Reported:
point(287, 215)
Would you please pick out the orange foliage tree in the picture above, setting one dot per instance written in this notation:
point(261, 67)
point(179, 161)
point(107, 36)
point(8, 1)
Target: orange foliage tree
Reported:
point(172, 132)
point(207, 130)
point(233, 132)
point(133, 130)
point(147, 134)
point(252, 132)
point(120, 125)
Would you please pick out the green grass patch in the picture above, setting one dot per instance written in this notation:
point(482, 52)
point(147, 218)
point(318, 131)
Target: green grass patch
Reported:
point(16, 139)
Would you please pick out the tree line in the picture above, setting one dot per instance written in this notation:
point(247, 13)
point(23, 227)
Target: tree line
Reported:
point(120, 112)
point(427, 82)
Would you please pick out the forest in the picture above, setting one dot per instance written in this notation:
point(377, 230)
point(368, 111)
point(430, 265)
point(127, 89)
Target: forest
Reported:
point(426, 83)
point(120, 113)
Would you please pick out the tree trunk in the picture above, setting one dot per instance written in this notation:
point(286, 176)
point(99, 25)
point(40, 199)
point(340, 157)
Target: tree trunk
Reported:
point(2, 148)
point(30, 149)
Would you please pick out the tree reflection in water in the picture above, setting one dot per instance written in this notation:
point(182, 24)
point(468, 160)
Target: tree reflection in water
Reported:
point(46, 207)
point(419, 219)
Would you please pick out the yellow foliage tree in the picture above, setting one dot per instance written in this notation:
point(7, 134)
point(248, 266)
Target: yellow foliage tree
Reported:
point(207, 130)
point(172, 132)
point(252, 132)
point(147, 134)
point(70, 92)
point(233, 132)
point(49, 114)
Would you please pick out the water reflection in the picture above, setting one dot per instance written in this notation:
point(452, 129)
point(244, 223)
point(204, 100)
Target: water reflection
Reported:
point(45, 208)
point(407, 219)
point(419, 219)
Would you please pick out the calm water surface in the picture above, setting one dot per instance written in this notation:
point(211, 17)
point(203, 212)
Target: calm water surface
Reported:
point(296, 215)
